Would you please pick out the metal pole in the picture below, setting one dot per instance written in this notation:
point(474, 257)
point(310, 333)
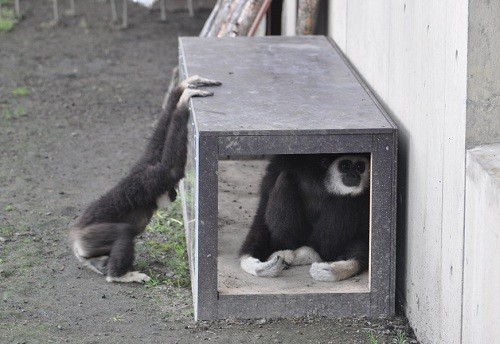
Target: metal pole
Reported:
point(72, 9)
point(56, 11)
point(114, 16)
point(17, 9)
point(163, 15)
point(124, 15)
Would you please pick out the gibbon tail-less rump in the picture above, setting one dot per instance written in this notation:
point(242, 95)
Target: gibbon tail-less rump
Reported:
point(102, 238)
point(313, 209)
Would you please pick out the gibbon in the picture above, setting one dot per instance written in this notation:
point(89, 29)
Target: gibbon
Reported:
point(103, 236)
point(313, 209)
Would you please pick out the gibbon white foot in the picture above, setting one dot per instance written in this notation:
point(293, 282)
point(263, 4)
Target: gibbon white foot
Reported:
point(336, 271)
point(131, 276)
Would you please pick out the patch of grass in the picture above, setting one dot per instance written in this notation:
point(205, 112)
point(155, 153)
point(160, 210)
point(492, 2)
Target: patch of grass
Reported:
point(6, 115)
point(372, 339)
point(7, 273)
point(20, 255)
point(83, 24)
point(117, 317)
point(169, 249)
point(20, 111)
point(401, 338)
point(21, 91)
point(8, 19)
point(6, 295)
point(154, 281)
point(8, 207)
point(141, 265)
point(6, 231)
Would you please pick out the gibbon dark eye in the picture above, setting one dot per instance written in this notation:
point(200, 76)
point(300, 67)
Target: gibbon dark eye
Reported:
point(360, 167)
point(345, 166)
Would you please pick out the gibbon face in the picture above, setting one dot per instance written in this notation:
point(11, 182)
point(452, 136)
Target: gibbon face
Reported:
point(348, 175)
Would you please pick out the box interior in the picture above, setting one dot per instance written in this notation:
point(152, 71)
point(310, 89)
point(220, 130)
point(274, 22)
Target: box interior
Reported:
point(238, 196)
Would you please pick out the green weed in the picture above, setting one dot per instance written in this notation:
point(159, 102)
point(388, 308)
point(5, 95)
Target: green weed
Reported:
point(117, 317)
point(21, 255)
point(154, 281)
point(7, 20)
point(21, 91)
point(83, 24)
point(372, 339)
point(20, 111)
point(141, 265)
point(401, 338)
point(6, 115)
point(6, 231)
point(170, 249)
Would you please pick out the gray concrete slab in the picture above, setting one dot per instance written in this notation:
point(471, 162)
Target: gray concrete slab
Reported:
point(278, 86)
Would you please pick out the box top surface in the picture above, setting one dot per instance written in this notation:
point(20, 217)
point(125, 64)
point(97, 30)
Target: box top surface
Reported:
point(278, 86)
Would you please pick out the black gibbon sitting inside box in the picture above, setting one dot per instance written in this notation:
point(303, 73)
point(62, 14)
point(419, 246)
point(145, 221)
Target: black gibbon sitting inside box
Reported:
point(313, 209)
point(103, 236)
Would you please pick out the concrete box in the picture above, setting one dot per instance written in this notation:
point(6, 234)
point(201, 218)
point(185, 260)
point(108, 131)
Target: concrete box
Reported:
point(279, 95)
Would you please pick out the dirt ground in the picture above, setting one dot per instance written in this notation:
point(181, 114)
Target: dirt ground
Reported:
point(78, 101)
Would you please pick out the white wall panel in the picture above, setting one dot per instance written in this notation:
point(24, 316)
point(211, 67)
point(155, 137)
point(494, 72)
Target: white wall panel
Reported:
point(453, 165)
point(337, 21)
point(365, 21)
point(482, 245)
point(407, 51)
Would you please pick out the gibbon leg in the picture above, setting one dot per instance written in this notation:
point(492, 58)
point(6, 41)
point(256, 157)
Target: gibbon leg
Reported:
point(286, 225)
point(95, 264)
point(269, 268)
point(110, 244)
point(304, 255)
point(335, 271)
point(131, 276)
point(355, 261)
point(285, 214)
point(121, 259)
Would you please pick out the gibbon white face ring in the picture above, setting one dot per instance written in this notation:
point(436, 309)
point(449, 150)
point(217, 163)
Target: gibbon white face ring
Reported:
point(349, 175)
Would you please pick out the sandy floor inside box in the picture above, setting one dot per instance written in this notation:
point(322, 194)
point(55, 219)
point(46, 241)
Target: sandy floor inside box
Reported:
point(239, 182)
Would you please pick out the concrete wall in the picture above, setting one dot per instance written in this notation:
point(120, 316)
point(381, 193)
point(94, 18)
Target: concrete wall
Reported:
point(482, 246)
point(414, 55)
point(483, 89)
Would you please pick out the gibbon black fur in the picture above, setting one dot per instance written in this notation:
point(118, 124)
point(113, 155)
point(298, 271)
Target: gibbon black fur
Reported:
point(104, 234)
point(312, 209)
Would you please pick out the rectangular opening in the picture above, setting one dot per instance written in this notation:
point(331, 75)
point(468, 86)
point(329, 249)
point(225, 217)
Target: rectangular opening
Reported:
point(238, 196)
